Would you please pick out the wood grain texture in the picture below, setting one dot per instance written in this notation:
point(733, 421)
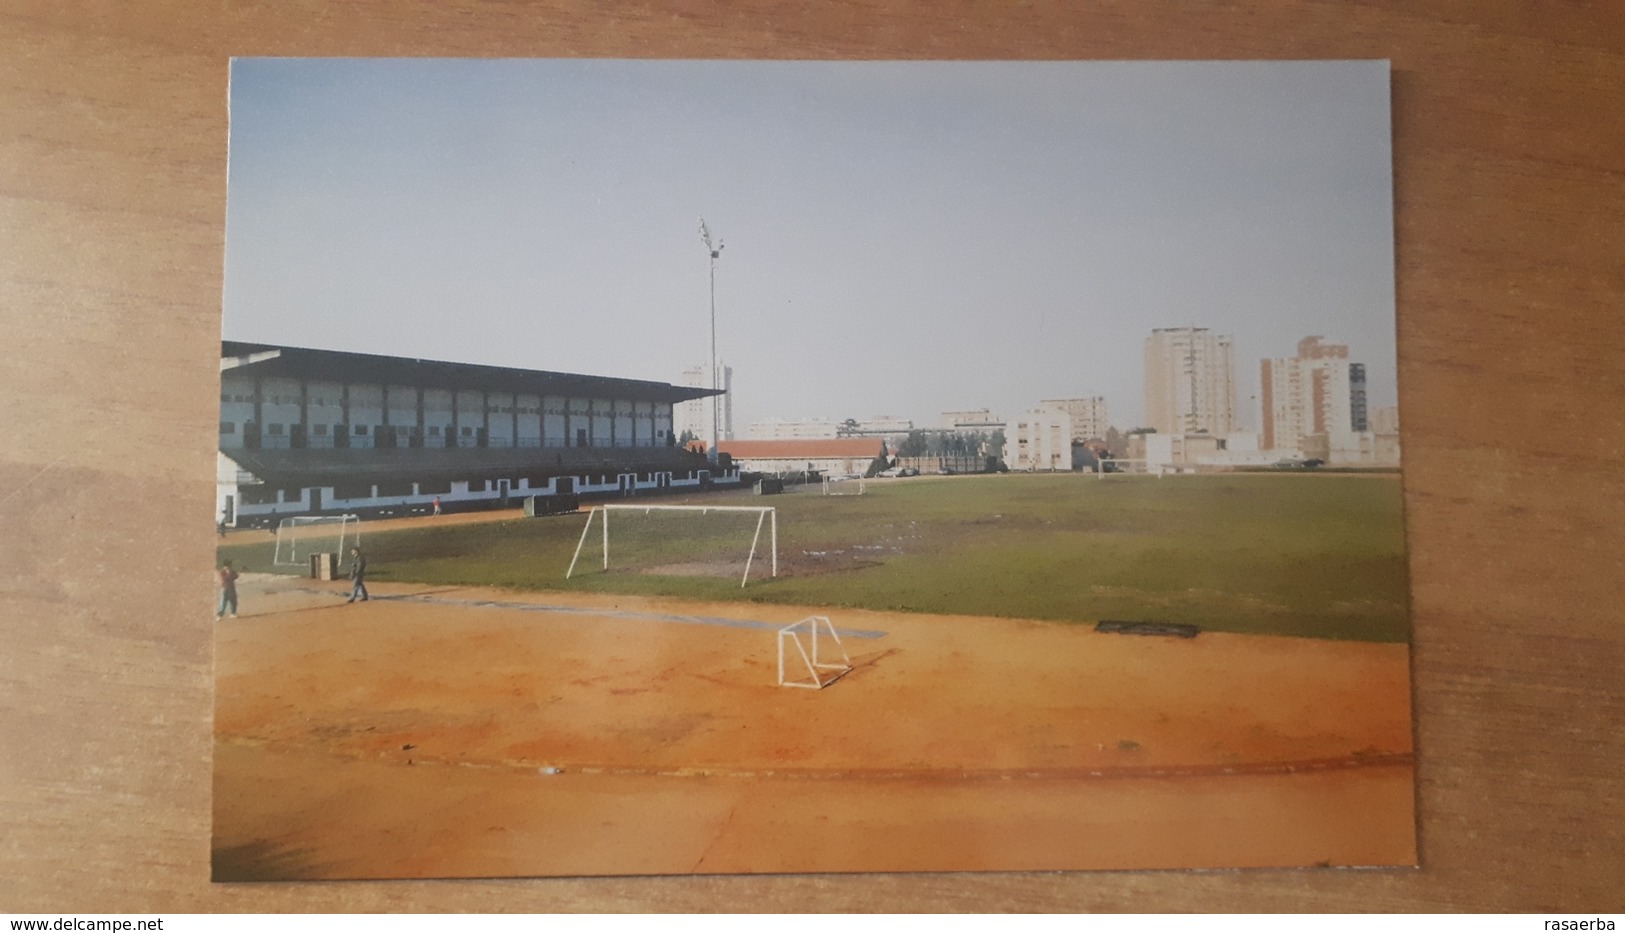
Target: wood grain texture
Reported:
point(1510, 187)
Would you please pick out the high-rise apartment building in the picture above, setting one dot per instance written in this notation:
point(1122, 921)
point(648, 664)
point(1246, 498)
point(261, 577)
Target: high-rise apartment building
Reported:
point(1190, 381)
point(694, 417)
point(1088, 415)
point(1316, 392)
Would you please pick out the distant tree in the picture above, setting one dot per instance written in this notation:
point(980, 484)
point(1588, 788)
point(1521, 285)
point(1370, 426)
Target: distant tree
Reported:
point(1113, 439)
point(1133, 431)
point(876, 465)
point(682, 441)
point(847, 427)
point(915, 445)
point(995, 451)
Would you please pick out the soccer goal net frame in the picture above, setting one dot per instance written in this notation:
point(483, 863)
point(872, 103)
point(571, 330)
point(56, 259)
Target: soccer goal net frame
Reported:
point(844, 487)
point(809, 657)
point(294, 533)
point(767, 517)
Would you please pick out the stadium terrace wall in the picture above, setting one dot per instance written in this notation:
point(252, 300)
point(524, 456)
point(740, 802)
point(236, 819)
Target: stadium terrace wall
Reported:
point(309, 432)
point(246, 499)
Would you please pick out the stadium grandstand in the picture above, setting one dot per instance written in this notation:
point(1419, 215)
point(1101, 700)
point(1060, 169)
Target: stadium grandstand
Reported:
point(312, 432)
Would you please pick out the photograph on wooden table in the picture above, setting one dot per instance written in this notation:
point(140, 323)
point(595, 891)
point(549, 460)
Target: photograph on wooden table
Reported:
point(687, 467)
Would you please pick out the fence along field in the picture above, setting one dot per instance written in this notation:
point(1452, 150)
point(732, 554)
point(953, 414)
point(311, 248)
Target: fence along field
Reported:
point(1307, 555)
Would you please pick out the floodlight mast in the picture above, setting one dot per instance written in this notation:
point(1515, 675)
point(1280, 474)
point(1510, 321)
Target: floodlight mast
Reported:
point(716, 416)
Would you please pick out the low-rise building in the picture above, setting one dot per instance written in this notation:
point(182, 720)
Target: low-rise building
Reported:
point(783, 429)
point(1353, 448)
point(829, 456)
point(888, 425)
point(1039, 440)
point(976, 420)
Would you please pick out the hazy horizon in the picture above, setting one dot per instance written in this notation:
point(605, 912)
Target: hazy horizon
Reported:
point(901, 238)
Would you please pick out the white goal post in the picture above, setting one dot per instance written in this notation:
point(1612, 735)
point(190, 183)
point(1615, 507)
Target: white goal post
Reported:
point(843, 486)
point(810, 657)
point(299, 536)
point(767, 518)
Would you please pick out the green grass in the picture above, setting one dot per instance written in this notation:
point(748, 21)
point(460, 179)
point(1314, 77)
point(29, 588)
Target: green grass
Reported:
point(1312, 555)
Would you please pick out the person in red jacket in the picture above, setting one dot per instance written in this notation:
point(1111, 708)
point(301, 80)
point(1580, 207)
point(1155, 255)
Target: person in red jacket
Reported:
point(228, 591)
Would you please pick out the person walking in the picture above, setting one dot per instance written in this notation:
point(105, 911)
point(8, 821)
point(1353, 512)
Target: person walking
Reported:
point(437, 505)
point(228, 591)
point(358, 575)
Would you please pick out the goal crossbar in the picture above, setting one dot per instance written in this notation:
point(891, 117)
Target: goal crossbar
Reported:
point(765, 516)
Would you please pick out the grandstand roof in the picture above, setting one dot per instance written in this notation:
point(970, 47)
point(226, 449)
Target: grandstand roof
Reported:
point(262, 359)
point(803, 448)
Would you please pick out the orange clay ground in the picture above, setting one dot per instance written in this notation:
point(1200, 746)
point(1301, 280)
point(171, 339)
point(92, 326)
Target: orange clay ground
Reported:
point(458, 733)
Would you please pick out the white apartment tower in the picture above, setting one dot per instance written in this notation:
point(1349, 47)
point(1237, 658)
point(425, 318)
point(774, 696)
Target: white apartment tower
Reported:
point(1316, 392)
point(1088, 415)
point(1190, 381)
point(694, 416)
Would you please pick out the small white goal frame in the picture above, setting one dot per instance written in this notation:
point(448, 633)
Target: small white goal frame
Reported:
point(347, 539)
point(818, 629)
point(845, 484)
point(766, 514)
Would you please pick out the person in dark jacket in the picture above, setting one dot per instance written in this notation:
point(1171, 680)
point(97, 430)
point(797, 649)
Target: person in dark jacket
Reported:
point(358, 576)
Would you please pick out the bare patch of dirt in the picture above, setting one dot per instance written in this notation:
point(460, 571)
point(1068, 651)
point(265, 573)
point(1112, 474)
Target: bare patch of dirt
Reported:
point(632, 735)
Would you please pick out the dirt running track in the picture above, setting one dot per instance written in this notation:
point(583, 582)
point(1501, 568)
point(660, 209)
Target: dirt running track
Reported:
point(467, 733)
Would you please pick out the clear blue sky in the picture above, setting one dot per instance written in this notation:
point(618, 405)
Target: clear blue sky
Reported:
point(902, 238)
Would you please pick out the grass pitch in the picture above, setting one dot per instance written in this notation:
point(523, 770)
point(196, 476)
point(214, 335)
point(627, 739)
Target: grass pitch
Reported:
point(1309, 555)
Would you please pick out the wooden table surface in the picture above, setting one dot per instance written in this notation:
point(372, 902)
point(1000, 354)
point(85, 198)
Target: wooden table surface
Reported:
point(1510, 184)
